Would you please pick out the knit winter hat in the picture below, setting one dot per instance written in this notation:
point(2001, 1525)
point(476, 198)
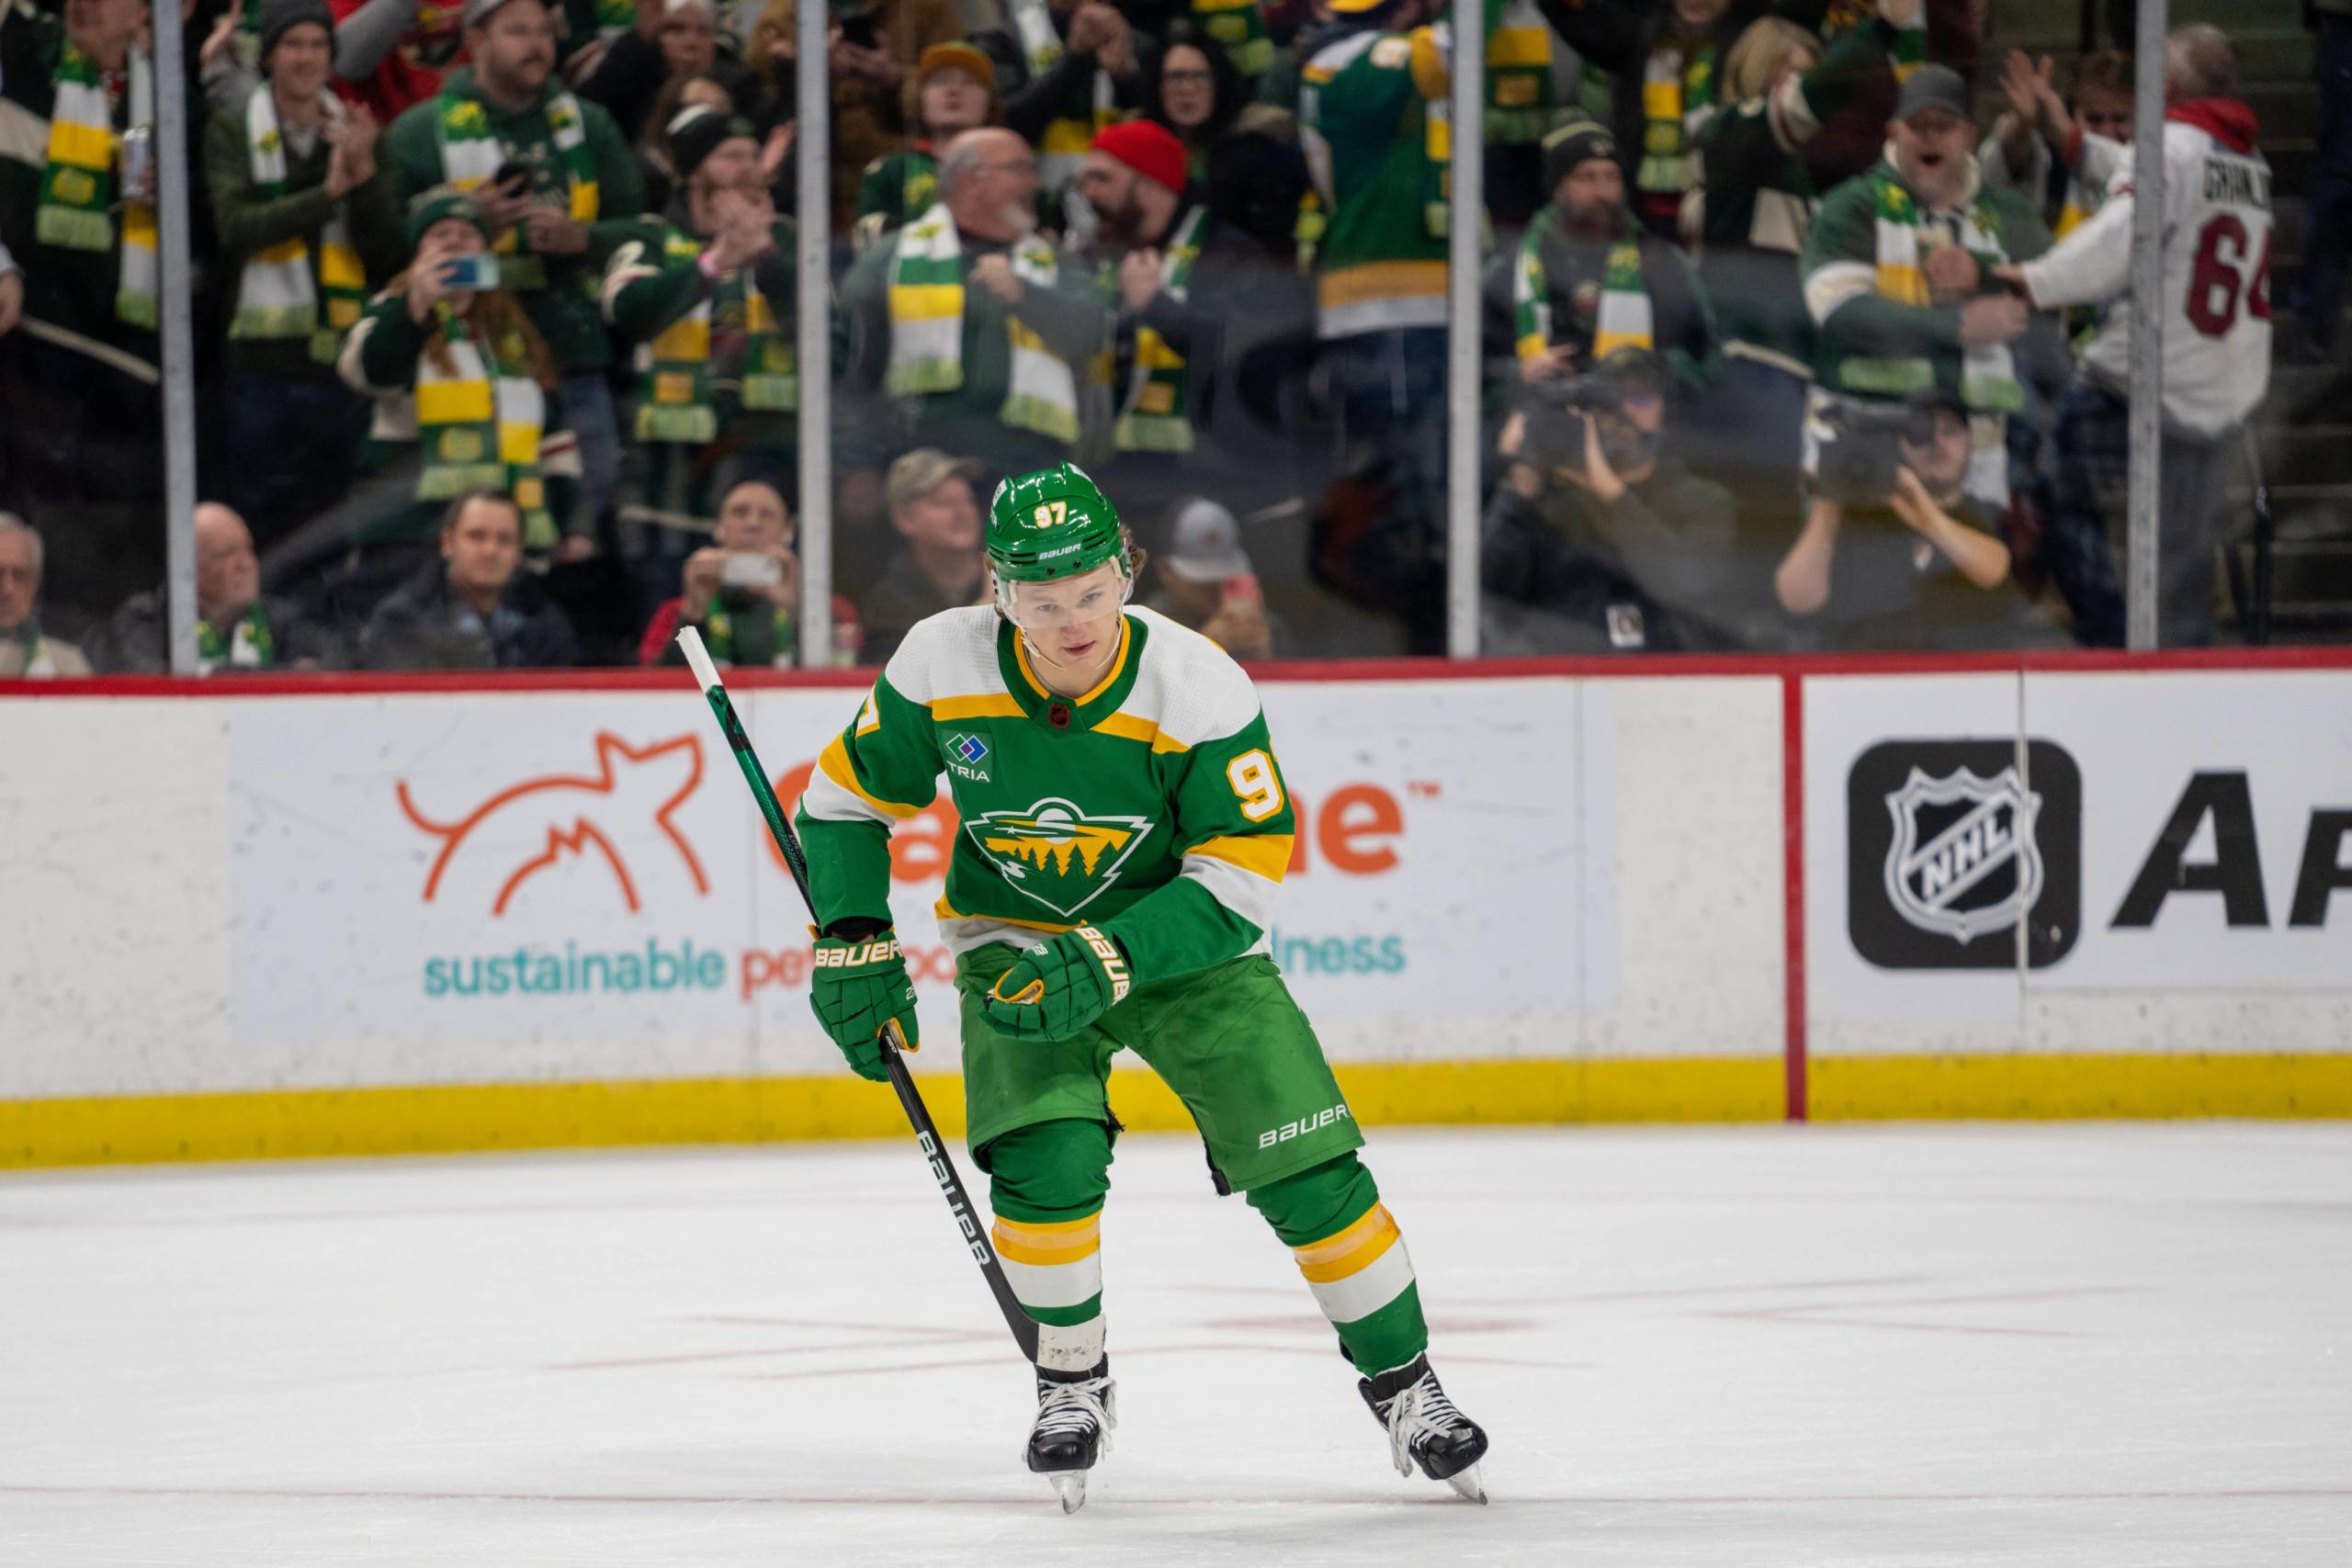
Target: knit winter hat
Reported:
point(1149, 149)
point(1578, 141)
point(697, 130)
point(280, 14)
point(443, 201)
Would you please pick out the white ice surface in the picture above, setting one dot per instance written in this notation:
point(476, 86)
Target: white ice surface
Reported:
point(2041, 1345)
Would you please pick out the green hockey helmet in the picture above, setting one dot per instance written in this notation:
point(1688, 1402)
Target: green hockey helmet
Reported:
point(1050, 525)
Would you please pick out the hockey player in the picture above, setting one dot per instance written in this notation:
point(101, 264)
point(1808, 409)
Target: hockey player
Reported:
point(2217, 232)
point(1124, 827)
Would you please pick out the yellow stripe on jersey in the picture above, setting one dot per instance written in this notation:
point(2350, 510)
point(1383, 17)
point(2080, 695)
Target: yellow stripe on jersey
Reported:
point(1268, 854)
point(835, 763)
point(1132, 727)
point(992, 704)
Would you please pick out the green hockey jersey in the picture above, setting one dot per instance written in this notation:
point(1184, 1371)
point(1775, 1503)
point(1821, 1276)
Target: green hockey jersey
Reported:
point(1151, 807)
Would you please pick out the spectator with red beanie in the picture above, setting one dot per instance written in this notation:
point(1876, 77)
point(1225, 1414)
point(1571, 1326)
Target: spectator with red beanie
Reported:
point(1180, 279)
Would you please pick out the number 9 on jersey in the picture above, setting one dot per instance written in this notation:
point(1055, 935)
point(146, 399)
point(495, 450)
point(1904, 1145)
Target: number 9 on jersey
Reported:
point(1253, 779)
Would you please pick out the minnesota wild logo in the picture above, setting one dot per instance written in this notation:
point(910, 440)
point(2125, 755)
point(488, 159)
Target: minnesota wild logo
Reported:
point(1055, 852)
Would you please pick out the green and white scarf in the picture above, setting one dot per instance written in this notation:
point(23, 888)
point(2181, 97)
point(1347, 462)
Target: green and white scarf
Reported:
point(279, 294)
point(674, 399)
point(77, 186)
point(1437, 145)
point(1240, 27)
point(1158, 414)
point(1624, 318)
point(248, 646)
point(927, 328)
point(470, 156)
point(480, 426)
point(1678, 99)
point(1062, 151)
point(1520, 104)
point(40, 661)
point(1988, 373)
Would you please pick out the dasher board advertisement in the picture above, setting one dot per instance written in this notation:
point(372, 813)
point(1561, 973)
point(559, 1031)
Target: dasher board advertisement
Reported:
point(446, 887)
point(1971, 837)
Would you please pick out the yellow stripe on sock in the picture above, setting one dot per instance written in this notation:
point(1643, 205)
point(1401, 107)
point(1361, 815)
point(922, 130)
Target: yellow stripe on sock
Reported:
point(1351, 1251)
point(1067, 1241)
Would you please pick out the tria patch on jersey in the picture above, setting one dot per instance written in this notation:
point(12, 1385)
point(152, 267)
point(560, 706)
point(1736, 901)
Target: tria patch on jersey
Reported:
point(967, 756)
point(1056, 854)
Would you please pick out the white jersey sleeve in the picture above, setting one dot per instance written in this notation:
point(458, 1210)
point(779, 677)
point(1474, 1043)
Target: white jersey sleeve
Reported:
point(2216, 289)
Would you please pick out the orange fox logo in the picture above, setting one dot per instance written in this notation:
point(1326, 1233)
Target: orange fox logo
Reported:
point(544, 817)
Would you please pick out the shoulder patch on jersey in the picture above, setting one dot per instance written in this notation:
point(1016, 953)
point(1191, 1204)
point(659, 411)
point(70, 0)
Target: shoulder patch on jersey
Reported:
point(951, 654)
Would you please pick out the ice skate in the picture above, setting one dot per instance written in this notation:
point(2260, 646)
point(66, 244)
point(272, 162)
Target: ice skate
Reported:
point(1424, 1426)
point(1075, 1413)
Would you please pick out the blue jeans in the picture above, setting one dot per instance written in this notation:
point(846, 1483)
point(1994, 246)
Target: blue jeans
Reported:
point(2328, 201)
point(293, 444)
point(588, 414)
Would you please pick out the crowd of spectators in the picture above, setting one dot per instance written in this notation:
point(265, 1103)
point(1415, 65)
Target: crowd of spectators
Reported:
point(498, 358)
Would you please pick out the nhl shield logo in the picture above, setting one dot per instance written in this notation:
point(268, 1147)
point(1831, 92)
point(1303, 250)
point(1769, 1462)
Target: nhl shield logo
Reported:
point(1950, 842)
point(1964, 860)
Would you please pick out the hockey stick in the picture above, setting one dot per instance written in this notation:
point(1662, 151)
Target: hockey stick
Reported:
point(942, 1164)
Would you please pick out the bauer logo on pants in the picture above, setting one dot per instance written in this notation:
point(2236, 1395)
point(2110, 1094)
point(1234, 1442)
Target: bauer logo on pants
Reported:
point(1950, 845)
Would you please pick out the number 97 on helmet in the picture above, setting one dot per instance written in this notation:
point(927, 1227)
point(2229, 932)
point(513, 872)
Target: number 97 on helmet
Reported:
point(1046, 530)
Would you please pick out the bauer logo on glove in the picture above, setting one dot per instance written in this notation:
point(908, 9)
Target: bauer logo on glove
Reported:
point(1059, 986)
point(858, 988)
point(856, 955)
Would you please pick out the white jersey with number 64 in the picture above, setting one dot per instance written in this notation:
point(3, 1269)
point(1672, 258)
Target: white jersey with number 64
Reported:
point(2216, 276)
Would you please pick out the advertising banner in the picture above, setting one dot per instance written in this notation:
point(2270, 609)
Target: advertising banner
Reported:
point(508, 887)
point(2052, 836)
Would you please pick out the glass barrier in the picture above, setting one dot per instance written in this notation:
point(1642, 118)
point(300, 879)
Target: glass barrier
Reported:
point(1809, 344)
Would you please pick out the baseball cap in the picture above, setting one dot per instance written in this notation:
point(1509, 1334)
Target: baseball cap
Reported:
point(1204, 543)
point(921, 471)
point(1932, 87)
point(478, 12)
point(956, 57)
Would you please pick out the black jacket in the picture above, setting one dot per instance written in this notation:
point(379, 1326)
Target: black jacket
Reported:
point(135, 642)
point(1032, 103)
point(1664, 551)
point(1618, 36)
point(423, 627)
